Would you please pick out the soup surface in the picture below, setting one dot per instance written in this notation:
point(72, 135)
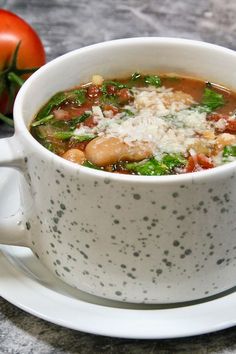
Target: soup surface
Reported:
point(143, 125)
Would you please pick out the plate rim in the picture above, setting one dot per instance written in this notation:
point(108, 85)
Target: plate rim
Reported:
point(109, 326)
point(116, 322)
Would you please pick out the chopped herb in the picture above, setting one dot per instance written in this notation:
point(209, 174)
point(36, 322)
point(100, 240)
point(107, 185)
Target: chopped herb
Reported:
point(109, 99)
point(55, 101)
point(153, 80)
point(117, 84)
point(76, 120)
point(128, 112)
point(64, 135)
point(212, 100)
point(174, 160)
point(91, 165)
point(48, 145)
point(136, 76)
point(208, 84)
point(67, 135)
point(42, 120)
point(229, 150)
point(153, 167)
point(78, 96)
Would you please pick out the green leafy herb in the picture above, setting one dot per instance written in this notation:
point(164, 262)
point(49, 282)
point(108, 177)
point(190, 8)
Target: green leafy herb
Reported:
point(172, 161)
point(117, 84)
point(153, 80)
point(212, 100)
point(78, 96)
point(153, 167)
point(67, 135)
point(229, 150)
point(128, 112)
point(55, 101)
point(76, 120)
point(136, 76)
point(91, 165)
point(42, 120)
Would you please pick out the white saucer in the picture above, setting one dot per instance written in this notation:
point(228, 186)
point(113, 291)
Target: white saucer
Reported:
point(27, 284)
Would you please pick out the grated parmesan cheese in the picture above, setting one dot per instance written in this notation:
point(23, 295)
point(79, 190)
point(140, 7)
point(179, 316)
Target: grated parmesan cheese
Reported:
point(162, 119)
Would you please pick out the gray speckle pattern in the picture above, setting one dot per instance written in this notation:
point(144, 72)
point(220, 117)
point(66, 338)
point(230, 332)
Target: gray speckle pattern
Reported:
point(61, 25)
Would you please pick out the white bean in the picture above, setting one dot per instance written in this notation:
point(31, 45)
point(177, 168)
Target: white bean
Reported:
point(109, 150)
point(74, 155)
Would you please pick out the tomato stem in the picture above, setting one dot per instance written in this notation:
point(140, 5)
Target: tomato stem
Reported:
point(13, 77)
point(6, 120)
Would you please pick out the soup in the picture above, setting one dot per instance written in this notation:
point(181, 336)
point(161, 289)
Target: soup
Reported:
point(142, 125)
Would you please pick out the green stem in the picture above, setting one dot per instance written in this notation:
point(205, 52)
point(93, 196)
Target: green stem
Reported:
point(6, 120)
point(15, 78)
point(27, 71)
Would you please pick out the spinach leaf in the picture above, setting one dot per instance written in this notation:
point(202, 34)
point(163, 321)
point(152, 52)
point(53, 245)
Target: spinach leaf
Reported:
point(109, 99)
point(65, 135)
point(212, 99)
point(42, 120)
point(78, 96)
point(229, 150)
point(153, 167)
point(55, 101)
point(128, 112)
point(117, 84)
point(153, 80)
point(174, 160)
point(91, 165)
point(76, 120)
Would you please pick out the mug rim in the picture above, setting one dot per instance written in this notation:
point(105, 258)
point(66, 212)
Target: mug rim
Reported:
point(21, 127)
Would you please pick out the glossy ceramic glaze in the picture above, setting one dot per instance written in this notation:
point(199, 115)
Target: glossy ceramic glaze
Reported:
point(139, 239)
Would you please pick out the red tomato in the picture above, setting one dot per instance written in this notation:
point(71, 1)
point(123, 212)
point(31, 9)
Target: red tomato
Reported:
point(198, 162)
point(230, 127)
point(93, 91)
point(217, 116)
point(31, 54)
point(124, 95)
point(109, 107)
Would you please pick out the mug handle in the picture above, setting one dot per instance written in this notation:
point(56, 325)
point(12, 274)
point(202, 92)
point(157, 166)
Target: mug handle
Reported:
point(13, 229)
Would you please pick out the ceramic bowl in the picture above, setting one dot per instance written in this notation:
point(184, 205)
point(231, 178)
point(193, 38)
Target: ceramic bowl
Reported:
point(163, 239)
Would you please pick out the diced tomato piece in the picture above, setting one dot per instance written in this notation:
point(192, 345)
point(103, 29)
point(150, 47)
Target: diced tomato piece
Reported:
point(111, 90)
point(204, 161)
point(93, 91)
point(217, 116)
point(124, 95)
point(230, 127)
point(78, 111)
point(198, 162)
point(109, 107)
point(90, 122)
point(61, 114)
point(190, 167)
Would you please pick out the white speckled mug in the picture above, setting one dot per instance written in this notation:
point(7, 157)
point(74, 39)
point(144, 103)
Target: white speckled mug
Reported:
point(164, 239)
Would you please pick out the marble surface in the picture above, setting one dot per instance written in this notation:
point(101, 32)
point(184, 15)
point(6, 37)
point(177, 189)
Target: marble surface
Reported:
point(65, 25)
